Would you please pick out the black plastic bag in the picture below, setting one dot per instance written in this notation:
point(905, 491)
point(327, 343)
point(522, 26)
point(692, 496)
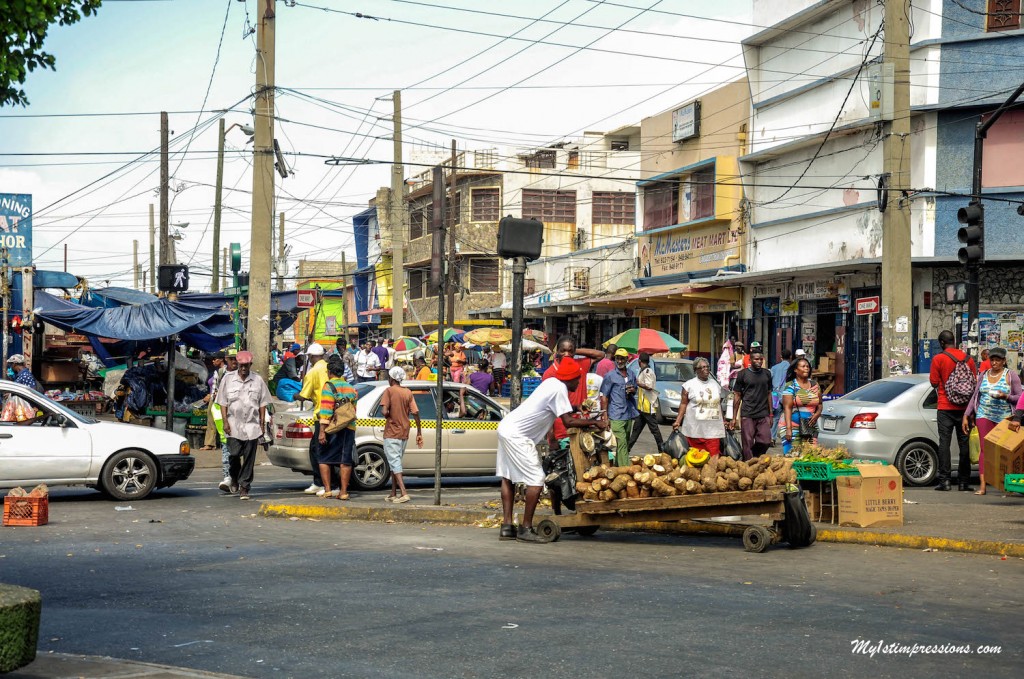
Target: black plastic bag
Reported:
point(733, 445)
point(797, 528)
point(676, 445)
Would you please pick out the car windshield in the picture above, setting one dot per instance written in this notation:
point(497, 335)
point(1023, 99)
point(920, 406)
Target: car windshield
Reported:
point(881, 391)
point(673, 372)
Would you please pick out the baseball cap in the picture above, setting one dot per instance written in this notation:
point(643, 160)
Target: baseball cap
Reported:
point(295, 347)
point(755, 348)
point(622, 352)
point(799, 352)
point(16, 358)
point(314, 349)
point(245, 357)
point(397, 374)
point(232, 352)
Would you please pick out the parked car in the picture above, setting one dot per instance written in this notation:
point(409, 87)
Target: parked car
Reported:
point(60, 447)
point(468, 447)
point(893, 420)
point(670, 374)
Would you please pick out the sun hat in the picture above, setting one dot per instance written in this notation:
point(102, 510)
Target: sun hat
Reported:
point(314, 349)
point(567, 370)
point(621, 352)
point(245, 357)
point(397, 374)
point(16, 358)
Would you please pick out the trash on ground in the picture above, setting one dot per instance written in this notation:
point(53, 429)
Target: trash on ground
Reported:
point(120, 508)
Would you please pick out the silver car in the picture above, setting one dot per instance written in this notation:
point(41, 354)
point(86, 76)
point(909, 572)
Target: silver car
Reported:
point(670, 374)
point(468, 447)
point(893, 420)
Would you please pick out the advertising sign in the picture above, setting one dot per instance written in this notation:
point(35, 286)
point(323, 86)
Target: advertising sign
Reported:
point(16, 227)
point(689, 249)
point(686, 121)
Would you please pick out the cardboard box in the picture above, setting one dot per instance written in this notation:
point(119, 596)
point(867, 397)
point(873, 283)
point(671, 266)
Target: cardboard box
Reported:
point(1004, 454)
point(824, 513)
point(826, 365)
point(872, 498)
point(60, 372)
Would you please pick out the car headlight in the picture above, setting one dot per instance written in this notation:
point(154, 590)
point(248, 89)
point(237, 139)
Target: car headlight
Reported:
point(184, 448)
point(671, 394)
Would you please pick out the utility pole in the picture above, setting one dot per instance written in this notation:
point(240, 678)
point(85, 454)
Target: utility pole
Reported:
point(217, 206)
point(437, 278)
point(897, 303)
point(164, 183)
point(398, 221)
point(65, 257)
point(344, 299)
point(454, 275)
point(280, 253)
point(135, 264)
point(224, 268)
point(260, 241)
point(152, 251)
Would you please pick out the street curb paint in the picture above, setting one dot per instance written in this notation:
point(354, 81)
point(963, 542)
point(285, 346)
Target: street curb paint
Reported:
point(463, 517)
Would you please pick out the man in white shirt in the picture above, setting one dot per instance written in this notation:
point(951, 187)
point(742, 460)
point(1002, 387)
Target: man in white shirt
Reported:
point(244, 398)
point(499, 368)
point(391, 355)
point(518, 435)
point(367, 363)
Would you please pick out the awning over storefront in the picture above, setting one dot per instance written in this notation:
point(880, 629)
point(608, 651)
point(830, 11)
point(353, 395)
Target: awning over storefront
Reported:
point(665, 296)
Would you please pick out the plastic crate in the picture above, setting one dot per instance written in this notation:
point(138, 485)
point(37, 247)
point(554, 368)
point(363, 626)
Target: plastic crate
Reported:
point(1013, 483)
point(819, 471)
point(26, 511)
point(88, 408)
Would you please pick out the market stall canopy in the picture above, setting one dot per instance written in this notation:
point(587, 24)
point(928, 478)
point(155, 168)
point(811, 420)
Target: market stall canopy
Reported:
point(646, 340)
point(482, 336)
point(450, 334)
point(115, 297)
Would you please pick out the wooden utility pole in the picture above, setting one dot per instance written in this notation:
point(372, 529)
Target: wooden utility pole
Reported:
point(280, 253)
point(897, 303)
point(454, 275)
point(260, 241)
point(344, 300)
point(217, 207)
point(398, 221)
point(152, 251)
point(164, 184)
point(135, 264)
point(224, 269)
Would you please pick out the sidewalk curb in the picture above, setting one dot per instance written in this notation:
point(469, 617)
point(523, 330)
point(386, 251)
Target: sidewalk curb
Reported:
point(72, 664)
point(468, 517)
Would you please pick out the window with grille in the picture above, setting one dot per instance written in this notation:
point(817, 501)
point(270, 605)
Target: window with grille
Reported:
point(483, 275)
point(417, 278)
point(613, 207)
point(661, 205)
point(542, 160)
point(1002, 15)
point(486, 205)
point(416, 222)
point(703, 183)
point(577, 278)
point(549, 206)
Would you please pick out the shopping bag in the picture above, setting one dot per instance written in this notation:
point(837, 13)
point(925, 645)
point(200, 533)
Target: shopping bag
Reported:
point(676, 445)
point(733, 445)
point(975, 445)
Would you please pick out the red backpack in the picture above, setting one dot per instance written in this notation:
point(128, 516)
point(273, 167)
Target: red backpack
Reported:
point(961, 382)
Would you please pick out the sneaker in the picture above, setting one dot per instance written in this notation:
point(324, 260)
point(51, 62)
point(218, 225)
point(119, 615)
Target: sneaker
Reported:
point(314, 490)
point(232, 487)
point(528, 535)
point(389, 498)
point(400, 500)
point(225, 485)
point(507, 532)
point(243, 494)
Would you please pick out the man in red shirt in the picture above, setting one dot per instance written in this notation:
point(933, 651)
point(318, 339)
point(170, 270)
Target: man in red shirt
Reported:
point(566, 348)
point(607, 362)
point(951, 412)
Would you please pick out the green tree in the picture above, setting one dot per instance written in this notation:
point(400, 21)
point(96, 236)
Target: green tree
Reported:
point(23, 27)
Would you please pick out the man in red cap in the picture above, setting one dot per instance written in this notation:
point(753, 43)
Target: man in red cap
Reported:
point(518, 436)
point(566, 348)
point(243, 397)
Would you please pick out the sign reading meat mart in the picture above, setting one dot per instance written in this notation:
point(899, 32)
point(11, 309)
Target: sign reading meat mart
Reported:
point(689, 249)
point(16, 227)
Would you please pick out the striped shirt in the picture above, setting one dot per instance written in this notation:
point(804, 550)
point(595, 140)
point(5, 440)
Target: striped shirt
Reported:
point(335, 392)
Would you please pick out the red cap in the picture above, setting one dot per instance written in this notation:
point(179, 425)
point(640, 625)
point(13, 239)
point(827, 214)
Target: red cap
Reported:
point(567, 370)
point(244, 357)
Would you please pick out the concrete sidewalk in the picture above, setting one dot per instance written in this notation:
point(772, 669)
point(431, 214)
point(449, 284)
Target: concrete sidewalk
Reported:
point(60, 665)
point(954, 521)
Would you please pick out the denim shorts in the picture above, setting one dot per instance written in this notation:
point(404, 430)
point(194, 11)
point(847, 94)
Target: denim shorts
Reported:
point(394, 449)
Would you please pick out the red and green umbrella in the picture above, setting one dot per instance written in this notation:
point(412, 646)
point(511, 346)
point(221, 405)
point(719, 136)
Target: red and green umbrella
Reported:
point(449, 334)
point(407, 344)
point(647, 340)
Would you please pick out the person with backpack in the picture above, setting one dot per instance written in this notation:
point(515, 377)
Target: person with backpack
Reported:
point(954, 377)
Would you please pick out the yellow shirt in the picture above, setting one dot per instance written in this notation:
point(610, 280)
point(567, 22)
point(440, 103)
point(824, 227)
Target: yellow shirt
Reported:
point(313, 384)
point(425, 374)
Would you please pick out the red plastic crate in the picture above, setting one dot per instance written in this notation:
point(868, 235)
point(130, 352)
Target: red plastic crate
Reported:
point(26, 511)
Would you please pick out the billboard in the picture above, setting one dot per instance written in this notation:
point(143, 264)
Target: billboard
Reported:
point(16, 227)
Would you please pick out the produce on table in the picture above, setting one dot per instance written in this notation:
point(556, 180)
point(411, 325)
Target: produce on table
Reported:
point(812, 452)
point(696, 457)
point(662, 476)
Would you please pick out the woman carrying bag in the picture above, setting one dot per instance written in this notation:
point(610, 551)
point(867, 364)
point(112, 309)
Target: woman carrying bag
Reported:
point(998, 389)
point(801, 406)
point(337, 428)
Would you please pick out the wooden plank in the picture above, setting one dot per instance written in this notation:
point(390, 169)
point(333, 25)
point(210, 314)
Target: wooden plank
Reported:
point(754, 508)
point(681, 501)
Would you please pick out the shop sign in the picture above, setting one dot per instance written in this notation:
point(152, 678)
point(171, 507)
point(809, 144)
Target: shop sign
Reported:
point(689, 249)
point(686, 121)
point(16, 227)
point(769, 291)
point(804, 290)
point(790, 307)
point(716, 307)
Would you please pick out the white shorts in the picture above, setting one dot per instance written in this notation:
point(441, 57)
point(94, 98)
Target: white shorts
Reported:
point(517, 460)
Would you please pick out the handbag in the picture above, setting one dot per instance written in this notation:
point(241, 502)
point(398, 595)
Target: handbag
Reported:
point(808, 430)
point(344, 414)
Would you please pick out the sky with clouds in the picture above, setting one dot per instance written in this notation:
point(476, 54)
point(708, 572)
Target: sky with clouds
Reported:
point(543, 73)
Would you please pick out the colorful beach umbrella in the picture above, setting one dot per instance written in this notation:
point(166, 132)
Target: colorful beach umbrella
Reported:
point(646, 339)
point(450, 334)
point(482, 336)
point(407, 344)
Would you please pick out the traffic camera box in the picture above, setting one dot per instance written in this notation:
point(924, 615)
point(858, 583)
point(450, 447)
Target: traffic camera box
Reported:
point(874, 497)
point(1004, 454)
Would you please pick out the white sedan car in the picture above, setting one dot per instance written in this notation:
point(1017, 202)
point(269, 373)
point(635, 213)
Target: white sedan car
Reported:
point(59, 447)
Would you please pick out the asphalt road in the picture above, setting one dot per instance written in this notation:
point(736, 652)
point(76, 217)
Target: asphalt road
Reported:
point(195, 579)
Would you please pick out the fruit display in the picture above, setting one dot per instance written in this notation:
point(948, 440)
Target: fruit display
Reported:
point(664, 476)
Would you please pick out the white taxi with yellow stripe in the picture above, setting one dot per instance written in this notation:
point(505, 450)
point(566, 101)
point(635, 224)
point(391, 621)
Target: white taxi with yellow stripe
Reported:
point(468, 445)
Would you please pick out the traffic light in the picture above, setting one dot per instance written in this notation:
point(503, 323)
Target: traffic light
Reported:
point(972, 233)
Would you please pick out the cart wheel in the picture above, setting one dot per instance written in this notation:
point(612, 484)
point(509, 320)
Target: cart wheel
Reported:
point(586, 531)
point(549, 530)
point(756, 539)
point(814, 535)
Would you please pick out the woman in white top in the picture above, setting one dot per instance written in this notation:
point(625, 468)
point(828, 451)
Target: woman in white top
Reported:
point(700, 410)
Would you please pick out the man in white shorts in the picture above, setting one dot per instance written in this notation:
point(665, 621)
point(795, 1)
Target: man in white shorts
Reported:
point(518, 435)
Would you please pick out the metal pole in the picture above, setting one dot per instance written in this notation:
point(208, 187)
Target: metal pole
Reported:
point(173, 339)
point(165, 209)
point(152, 252)
point(217, 207)
point(280, 253)
point(518, 281)
point(397, 224)
point(454, 277)
point(439, 396)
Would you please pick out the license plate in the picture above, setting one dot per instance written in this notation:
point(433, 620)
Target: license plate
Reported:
point(828, 425)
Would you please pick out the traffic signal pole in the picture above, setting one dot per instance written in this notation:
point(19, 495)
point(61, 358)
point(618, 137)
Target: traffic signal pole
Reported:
point(973, 263)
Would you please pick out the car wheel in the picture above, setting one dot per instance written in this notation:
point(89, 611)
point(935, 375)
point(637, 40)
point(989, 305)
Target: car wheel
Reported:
point(129, 475)
point(371, 471)
point(918, 463)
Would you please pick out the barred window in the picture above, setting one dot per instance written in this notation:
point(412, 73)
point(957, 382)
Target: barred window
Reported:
point(417, 277)
point(661, 205)
point(486, 205)
point(483, 275)
point(549, 206)
point(613, 207)
point(703, 183)
point(1002, 15)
